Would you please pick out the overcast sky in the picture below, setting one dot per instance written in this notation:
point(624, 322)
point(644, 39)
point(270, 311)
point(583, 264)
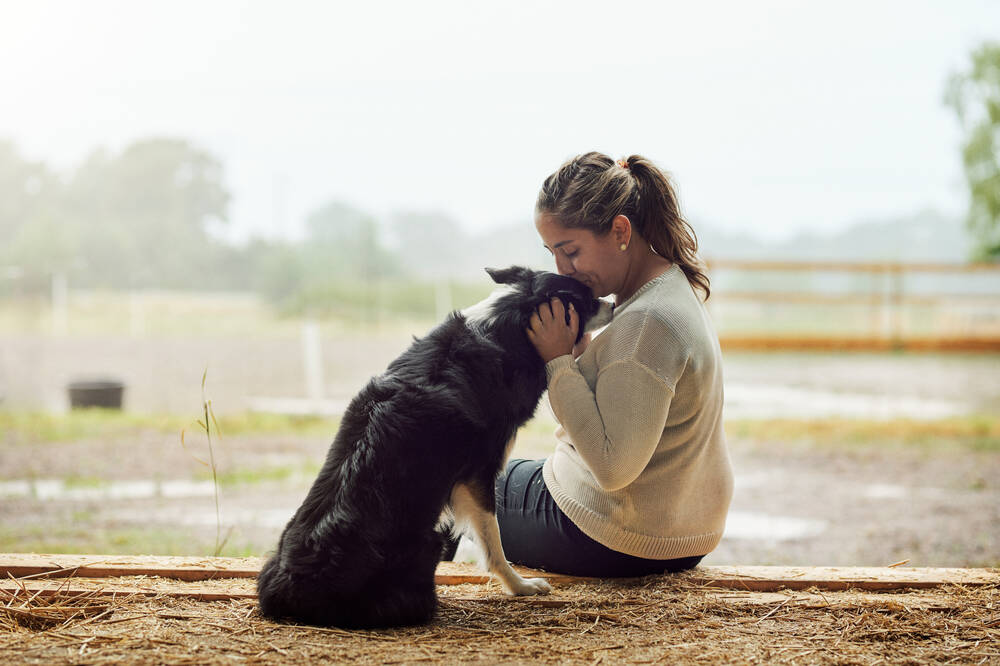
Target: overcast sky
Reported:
point(774, 117)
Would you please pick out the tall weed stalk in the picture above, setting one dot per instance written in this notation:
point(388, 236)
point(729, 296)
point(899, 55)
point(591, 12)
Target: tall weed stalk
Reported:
point(206, 423)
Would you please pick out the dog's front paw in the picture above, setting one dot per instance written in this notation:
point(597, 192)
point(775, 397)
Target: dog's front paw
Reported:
point(527, 586)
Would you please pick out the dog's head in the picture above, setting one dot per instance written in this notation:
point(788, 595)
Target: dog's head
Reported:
point(521, 290)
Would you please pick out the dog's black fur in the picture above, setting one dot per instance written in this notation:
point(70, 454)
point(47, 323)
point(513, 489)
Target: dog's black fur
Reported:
point(362, 549)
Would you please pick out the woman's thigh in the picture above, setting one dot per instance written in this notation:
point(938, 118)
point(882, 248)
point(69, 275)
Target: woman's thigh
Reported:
point(536, 533)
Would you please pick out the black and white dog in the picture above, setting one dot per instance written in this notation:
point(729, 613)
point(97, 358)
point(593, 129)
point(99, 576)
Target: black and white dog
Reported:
point(417, 455)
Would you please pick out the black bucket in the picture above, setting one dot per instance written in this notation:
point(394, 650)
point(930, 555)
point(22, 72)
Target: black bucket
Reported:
point(106, 393)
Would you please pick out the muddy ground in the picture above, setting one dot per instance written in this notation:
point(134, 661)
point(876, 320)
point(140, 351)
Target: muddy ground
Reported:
point(794, 504)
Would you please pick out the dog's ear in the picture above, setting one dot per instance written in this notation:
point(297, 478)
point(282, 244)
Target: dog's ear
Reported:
point(510, 275)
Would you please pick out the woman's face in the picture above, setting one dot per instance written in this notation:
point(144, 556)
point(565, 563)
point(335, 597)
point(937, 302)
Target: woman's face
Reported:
point(596, 261)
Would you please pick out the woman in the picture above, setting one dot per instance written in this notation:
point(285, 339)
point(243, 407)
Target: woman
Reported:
point(640, 481)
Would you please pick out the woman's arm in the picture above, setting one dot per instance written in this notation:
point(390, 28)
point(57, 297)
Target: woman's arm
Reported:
point(615, 428)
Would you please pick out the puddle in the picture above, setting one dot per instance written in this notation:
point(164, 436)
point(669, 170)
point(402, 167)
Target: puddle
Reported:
point(885, 491)
point(764, 527)
point(776, 401)
point(15, 489)
point(740, 525)
point(56, 489)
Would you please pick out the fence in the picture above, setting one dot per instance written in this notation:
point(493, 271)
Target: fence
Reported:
point(755, 305)
point(856, 306)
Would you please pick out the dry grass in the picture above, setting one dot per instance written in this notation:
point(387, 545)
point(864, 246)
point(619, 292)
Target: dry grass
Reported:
point(651, 620)
point(22, 609)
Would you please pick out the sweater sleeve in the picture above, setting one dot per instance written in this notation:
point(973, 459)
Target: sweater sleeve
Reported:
point(615, 428)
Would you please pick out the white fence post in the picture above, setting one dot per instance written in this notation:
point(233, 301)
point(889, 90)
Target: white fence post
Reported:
point(312, 359)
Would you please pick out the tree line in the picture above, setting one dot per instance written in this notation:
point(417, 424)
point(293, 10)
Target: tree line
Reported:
point(145, 218)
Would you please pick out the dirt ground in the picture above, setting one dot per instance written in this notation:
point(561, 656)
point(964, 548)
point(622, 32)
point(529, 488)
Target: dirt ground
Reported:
point(792, 505)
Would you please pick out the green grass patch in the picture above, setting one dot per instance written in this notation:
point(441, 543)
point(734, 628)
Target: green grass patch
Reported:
point(37, 427)
point(87, 538)
point(242, 476)
point(71, 482)
point(978, 433)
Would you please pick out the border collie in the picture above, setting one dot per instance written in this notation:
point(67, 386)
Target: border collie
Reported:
point(416, 456)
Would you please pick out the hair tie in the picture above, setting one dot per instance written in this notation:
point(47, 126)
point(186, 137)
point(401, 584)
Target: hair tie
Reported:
point(623, 164)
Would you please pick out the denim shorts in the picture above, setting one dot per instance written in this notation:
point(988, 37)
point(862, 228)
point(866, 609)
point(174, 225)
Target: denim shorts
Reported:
point(536, 533)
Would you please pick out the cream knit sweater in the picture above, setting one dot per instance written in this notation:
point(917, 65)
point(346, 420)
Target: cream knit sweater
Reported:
point(641, 465)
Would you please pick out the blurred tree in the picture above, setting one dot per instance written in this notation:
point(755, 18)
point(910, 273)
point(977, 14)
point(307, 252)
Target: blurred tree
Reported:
point(25, 186)
point(432, 243)
point(30, 198)
point(343, 242)
point(975, 96)
point(142, 216)
point(277, 269)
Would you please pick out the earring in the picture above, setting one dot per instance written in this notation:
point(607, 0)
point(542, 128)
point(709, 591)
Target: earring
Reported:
point(623, 247)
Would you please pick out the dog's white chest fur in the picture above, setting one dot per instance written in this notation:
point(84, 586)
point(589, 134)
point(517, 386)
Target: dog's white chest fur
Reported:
point(483, 311)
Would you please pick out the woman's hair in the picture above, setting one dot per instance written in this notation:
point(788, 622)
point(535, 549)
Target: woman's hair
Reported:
point(590, 190)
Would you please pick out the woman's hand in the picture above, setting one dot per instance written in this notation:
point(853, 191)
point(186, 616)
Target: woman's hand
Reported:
point(548, 331)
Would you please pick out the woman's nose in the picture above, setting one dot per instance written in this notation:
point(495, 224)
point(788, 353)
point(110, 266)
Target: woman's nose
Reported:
point(564, 266)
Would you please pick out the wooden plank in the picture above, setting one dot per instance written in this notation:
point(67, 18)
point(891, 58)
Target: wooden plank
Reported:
point(756, 578)
point(20, 565)
point(767, 578)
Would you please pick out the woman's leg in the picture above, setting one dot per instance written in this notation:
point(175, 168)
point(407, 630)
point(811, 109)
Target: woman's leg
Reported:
point(536, 533)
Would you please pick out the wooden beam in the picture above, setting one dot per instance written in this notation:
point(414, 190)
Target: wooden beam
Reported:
point(765, 579)
point(852, 266)
point(755, 578)
point(857, 343)
point(20, 565)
